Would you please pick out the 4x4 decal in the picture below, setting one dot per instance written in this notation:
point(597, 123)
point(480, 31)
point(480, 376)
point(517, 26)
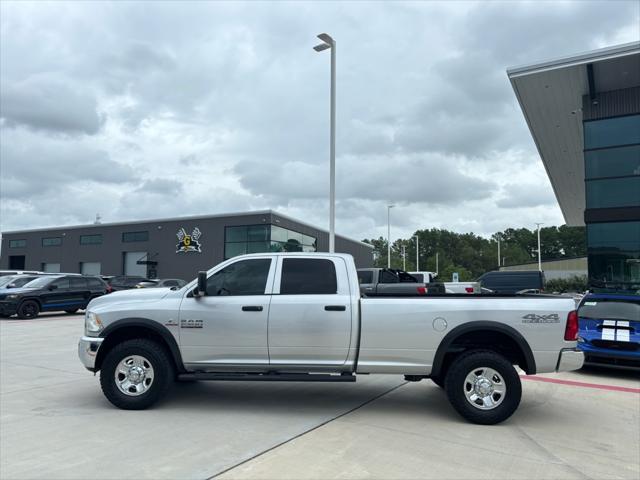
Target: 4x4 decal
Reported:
point(533, 318)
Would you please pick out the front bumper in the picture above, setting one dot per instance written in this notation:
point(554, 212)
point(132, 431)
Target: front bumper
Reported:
point(88, 351)
point(8, 308)
point(570, 359)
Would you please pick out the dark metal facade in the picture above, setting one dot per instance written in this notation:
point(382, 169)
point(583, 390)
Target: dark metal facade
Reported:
point(163, 259)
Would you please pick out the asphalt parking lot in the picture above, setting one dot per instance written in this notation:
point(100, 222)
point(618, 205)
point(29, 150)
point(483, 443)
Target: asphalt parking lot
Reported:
point(55, 424)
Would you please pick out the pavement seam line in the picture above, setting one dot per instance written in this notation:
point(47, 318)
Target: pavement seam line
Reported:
point(316, 427)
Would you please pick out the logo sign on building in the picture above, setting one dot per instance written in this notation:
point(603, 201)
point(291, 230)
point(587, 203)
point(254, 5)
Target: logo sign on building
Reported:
point(188, 242)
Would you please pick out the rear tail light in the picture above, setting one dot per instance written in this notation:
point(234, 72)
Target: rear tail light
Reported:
point(468, 289)
point(109, 289)
point(422, 290)
point(571, 330)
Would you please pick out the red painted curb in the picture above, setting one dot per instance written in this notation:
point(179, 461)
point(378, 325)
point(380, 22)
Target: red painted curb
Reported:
point(600, 386)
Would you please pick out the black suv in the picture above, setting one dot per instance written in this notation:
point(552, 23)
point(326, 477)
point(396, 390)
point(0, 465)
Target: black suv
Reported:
point(51, 293)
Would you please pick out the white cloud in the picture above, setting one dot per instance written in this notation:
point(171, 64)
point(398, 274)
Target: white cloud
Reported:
point(139, 110)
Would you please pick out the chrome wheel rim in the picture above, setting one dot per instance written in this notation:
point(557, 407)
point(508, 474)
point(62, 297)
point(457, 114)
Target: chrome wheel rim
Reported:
point(134, 375)
point(484, 388)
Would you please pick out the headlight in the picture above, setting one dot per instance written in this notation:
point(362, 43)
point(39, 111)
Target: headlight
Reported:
point(92, 323)
point(12, 297)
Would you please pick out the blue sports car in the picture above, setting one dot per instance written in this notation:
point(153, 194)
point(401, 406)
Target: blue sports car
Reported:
point(609, 329)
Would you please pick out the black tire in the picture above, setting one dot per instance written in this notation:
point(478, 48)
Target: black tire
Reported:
point(438, 381)
point(157, 357)
point(28, 309)
point(72, 310)
point(456, 387)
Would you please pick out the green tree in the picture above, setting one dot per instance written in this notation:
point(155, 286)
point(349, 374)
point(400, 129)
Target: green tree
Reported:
point(472, 255)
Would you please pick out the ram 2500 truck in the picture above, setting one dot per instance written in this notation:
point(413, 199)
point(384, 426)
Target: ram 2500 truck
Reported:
point(301, 317)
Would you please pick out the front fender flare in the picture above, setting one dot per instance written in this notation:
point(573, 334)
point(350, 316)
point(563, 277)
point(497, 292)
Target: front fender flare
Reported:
point(152, 325)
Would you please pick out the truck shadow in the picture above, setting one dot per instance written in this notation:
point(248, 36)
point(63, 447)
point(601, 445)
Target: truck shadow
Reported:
point(422, 400)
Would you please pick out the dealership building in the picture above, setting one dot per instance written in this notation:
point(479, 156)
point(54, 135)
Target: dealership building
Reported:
point(584, 115)
point(167, 248)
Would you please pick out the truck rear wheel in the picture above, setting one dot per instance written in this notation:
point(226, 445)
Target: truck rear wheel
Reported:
point(136, 373)
point(483, 387)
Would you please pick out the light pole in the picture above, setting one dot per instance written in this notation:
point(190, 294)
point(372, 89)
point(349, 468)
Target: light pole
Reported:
point(329, 42)
point(389, 207)
point(417, 253)
point(437, 269)
point(498, 237)
point(539, 253)
point(404, 258)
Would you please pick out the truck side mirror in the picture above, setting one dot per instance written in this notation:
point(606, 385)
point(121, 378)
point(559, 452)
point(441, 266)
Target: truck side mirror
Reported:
point(201, 291)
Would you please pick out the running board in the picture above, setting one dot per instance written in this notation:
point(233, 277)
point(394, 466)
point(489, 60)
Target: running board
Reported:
point(268, 377)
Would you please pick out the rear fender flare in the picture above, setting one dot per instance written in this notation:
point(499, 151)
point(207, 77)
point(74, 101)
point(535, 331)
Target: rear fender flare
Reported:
point(484, 326)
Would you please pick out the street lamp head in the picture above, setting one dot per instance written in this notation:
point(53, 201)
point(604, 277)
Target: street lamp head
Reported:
point(328, 43)
point(390, 206)
point(326, 38)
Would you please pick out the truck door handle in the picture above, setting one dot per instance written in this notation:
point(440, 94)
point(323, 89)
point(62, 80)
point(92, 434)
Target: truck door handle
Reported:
point(335, 308)
point(252, 308)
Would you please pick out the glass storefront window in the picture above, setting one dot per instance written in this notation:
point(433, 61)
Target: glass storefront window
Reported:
point(612, 131)
point(612, 162)
point(235, 249)
point(614, 256)
point(265, 238)
point(236, 234)
point(613, 192)
point(258, 247)
point(257, 233)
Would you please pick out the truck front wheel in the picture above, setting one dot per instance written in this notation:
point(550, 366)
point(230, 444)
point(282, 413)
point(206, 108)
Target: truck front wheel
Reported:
point(483, 387)
point(135, 374)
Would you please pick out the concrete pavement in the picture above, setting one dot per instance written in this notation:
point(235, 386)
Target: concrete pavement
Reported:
point(55, 423)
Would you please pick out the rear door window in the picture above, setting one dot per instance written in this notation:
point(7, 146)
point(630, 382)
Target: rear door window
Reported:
point(94, 283)
point(62, 283)
point(78, 283)
point(365, 276)
point(388, 277)
point(308, 276)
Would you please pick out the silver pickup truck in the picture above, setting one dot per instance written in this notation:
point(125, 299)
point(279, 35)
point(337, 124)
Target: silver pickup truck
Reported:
point(301, 317)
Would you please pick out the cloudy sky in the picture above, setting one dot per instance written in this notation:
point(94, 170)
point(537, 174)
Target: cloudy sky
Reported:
point(143, 110)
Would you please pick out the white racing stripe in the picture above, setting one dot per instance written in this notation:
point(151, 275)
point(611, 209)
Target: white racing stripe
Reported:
point(608, 334)
point(622, 335)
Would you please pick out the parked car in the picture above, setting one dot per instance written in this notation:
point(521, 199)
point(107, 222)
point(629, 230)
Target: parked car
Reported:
point(609, 329)
point(388, 281)
point(424, 277)
point(15, 281)
point(4, 273)
point(160, 283)
point(512, 281)
point(449, 287)
point(301, 317)
point(50, 293)
point(125, 282)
